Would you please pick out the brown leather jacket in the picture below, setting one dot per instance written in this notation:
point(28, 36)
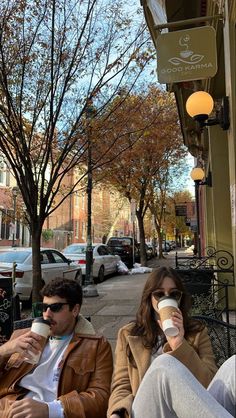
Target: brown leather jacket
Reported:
point(84, 384)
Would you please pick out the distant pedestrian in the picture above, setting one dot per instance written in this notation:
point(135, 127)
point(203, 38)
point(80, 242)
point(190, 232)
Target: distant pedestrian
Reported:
point(104, 239)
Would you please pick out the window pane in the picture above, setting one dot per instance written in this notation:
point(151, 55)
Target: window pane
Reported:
point(57, 257)
point(11, 256)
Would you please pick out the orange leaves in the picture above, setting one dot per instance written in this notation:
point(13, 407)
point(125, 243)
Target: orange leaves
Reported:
point(145, 139)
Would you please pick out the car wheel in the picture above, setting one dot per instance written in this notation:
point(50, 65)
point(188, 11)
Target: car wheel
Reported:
point(101, 274)
point(79, 278)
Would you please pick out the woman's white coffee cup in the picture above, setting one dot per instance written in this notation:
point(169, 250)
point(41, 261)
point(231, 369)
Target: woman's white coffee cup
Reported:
point(166, 307)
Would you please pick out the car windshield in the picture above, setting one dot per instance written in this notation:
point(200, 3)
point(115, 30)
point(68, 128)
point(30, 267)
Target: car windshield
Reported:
point(75, 249)
point(11, 256)
point(121, 241)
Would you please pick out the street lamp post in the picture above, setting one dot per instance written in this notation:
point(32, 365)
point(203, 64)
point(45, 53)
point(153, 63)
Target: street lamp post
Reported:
point(164, 235)
point(199, 249)
point(90, 289)
point(14, 195)
point(197, 174)
point(133, 217)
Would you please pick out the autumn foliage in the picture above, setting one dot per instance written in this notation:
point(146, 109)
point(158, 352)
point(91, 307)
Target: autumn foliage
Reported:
point(56, 56)
point(145, 145)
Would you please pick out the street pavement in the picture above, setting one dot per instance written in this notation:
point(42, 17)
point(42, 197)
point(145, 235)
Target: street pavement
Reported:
point(118, 300)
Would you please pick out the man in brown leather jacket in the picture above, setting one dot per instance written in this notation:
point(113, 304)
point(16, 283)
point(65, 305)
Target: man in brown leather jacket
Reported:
point(72, 378)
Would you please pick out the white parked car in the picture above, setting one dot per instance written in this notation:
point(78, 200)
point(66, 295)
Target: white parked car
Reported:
point(104, 262)
point(53, 264)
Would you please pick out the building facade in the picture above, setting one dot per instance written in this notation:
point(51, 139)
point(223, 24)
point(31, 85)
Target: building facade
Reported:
point(67, 223)
point(213, 147)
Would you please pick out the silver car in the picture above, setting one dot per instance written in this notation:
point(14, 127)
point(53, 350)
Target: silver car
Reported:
point(53, 264)
point(104, 262)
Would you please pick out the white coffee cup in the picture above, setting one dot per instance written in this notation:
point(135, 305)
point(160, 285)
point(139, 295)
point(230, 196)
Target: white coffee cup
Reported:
point(166, 307)
point(41, 327)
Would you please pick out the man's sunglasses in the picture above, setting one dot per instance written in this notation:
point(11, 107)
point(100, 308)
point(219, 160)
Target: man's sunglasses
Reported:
point(174, 294)
point(54, 307)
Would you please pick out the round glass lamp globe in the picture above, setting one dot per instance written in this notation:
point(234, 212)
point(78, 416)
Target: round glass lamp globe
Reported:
point(197, 174)
point(199, 103)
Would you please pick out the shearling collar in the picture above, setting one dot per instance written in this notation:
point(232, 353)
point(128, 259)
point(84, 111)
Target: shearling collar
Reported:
point(83, 326)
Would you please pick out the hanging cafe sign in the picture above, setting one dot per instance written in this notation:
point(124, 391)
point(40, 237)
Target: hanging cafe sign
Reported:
point(186, 55)
point(180, 210)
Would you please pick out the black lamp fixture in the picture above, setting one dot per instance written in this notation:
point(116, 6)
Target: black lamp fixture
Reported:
point(197, 174)
point(200, 105)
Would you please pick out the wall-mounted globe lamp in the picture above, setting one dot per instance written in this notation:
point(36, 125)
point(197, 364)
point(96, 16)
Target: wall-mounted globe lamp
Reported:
point(197, 175)
point(200, 105)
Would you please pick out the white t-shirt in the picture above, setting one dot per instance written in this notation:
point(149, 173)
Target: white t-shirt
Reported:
point(42, 382)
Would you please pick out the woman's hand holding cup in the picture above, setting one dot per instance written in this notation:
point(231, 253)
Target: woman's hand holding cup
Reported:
point(171, 321)
point(177, 320)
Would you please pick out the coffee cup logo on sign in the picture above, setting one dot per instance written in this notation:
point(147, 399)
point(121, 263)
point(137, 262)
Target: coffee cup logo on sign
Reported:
point(166, 307)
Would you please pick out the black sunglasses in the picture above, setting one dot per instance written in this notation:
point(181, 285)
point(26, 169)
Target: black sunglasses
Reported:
point(54, 307)
point(175, 294)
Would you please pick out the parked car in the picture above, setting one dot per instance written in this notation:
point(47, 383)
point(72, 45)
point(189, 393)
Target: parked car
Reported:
point(123, 246)
point(53, 264)
point(149, 251)
point(152, 248)
point(172, 244)
point(165, 247)
point(104, 262)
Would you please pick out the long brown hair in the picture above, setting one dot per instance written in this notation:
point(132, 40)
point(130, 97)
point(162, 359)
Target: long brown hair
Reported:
point(146, 325)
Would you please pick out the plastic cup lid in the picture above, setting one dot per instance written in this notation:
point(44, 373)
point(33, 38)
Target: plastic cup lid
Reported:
point(41, 320)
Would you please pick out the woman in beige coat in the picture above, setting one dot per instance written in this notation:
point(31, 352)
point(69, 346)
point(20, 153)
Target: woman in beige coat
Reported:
point(141, 341)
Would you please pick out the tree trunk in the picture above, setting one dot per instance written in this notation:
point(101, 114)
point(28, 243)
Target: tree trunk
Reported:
point(159, 233)
point(160, 239)
point(143, 256)
point(36, 261)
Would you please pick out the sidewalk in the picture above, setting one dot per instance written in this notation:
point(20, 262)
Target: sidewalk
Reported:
point(118, 300)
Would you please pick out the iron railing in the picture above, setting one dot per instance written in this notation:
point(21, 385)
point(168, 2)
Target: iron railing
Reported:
point(211, 275)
